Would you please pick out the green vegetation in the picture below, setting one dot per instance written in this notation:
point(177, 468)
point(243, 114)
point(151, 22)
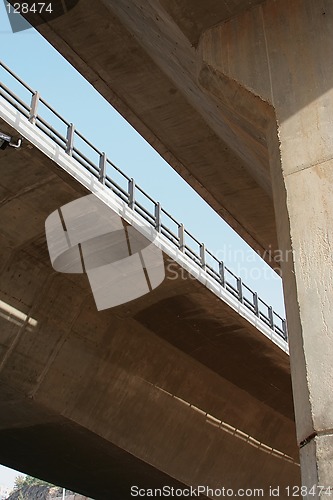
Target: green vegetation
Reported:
point(22, 481)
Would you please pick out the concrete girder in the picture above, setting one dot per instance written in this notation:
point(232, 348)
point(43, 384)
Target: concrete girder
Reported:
point(175, 384)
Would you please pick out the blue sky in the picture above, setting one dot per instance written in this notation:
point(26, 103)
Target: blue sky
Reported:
point(7, 476)
point(37, 63)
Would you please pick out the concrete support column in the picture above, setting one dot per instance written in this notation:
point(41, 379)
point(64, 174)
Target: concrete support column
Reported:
point(282, 52)
point(304, 213)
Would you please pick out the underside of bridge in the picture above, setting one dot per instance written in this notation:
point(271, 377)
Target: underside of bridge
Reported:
point(143, 58)
point(174, 388)
point(237, 96)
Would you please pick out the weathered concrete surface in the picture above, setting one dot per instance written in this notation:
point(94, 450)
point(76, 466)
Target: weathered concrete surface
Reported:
point(173, 388)
point(193, 18)
point(293, 44)
point(137, 56)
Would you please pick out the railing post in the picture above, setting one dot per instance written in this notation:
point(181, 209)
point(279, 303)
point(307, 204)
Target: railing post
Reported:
point(34, 107)
point(203, 256)
point(158, 217)
point(256, 304)
point(271, 318)
point(102, 168)
point(240, 289)
point(70, 139)
point(284, 328)
point(222, 273)
point(131, 193)
point(181, 236)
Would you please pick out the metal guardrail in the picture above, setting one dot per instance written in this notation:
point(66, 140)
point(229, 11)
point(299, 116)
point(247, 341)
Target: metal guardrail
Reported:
point(99, 165)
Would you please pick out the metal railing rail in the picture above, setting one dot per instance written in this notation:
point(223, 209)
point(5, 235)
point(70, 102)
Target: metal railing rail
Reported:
point(97, 163)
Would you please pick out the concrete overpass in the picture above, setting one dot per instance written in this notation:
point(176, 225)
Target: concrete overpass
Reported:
point(237, 96)
point(188, 385)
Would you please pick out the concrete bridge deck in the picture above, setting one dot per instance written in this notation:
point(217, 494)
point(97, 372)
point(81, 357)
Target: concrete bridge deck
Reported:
point(181, 386)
